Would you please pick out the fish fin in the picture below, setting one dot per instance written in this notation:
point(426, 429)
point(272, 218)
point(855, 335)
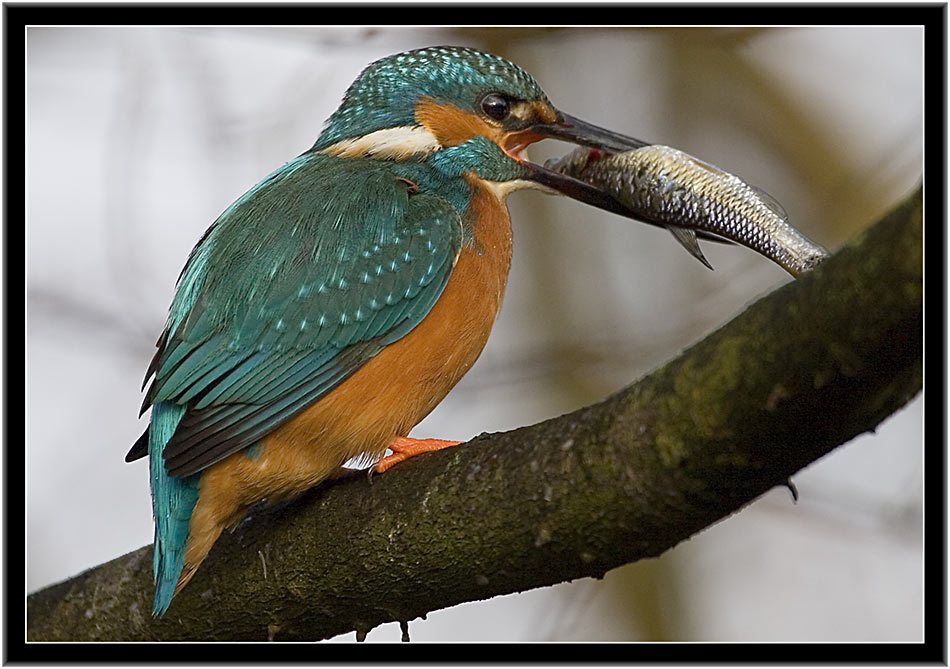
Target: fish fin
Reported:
point(767, 199)
point(712, 237)
point(770, 202)
point(688, 239)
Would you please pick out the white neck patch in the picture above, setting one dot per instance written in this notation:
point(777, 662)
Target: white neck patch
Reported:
point(389, 144)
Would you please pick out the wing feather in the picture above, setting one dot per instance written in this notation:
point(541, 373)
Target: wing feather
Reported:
point(291, 291)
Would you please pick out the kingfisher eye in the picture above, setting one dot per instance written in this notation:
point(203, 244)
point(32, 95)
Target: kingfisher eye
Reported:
point(495, 106)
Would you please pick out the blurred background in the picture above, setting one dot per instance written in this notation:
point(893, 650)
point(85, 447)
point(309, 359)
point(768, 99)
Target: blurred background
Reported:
point(139, 137)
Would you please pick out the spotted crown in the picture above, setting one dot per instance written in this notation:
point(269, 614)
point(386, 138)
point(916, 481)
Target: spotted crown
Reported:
point(384, 94)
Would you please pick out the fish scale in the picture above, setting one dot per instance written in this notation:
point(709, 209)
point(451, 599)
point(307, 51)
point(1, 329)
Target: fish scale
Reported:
point(666, 186)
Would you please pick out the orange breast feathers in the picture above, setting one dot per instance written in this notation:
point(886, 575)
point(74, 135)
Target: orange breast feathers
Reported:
point(395, 390)
point(398, 387)
point(384, 399)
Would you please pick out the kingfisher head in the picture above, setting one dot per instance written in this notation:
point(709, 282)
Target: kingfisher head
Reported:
point(462, 110)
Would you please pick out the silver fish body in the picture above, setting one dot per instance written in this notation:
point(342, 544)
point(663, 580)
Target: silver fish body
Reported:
point(668, 187)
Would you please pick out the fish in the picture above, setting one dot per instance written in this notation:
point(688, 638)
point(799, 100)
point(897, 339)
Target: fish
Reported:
point(667, 187)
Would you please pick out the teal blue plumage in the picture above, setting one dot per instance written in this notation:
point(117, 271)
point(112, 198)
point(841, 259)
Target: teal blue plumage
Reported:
point(310, 274)
point(386, 91)
point(292, 301)
point(278, 303)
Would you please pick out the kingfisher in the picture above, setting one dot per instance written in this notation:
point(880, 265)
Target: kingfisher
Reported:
point(330, 308)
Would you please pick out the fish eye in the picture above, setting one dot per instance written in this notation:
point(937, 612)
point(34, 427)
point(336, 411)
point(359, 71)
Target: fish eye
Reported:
point(496, 106)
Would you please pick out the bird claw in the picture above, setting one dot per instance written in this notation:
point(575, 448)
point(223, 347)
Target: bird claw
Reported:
point(404, 448)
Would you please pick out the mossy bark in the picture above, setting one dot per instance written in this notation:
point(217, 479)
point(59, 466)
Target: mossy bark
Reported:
point(803, 370)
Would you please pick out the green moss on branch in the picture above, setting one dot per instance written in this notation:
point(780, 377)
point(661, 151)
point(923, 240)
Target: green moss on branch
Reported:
point(810, 366)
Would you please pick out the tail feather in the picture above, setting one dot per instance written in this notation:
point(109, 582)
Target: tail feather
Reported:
point(173, 500)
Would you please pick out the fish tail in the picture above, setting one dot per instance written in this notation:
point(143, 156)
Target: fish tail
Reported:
point(173, 500)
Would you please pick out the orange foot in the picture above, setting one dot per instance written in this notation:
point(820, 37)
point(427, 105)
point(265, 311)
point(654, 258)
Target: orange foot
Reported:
point(404, 448)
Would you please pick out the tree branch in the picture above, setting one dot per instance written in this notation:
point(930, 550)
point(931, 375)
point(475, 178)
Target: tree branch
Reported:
point(810, 366)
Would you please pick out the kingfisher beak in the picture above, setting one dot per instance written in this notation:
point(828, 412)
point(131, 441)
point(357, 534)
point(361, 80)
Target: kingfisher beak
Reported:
point(570, 129)
point(576, 131)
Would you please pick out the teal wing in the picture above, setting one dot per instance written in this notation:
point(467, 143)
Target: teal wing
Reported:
point(296, 286)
